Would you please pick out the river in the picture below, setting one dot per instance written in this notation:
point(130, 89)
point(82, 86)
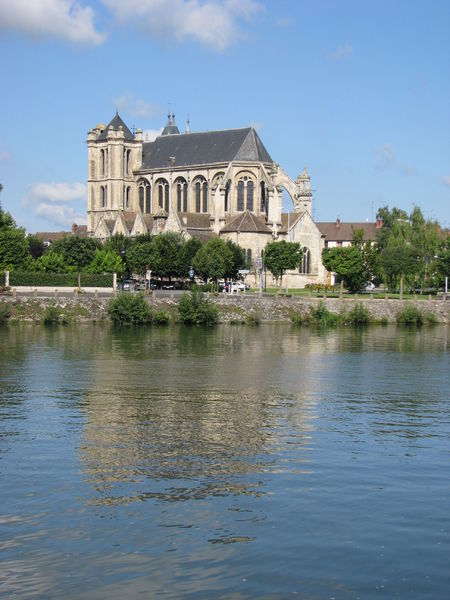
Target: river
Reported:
point(233, 462)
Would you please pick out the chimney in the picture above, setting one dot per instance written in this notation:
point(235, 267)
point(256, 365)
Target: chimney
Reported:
point(338, 222)
point(379, 224)
point(74, 228)
point(171, 161)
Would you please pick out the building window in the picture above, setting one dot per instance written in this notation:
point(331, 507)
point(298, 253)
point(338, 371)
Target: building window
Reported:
point(127, 197)
point(227, 195)
point(197, 196)
point(163, 194)
point(305, 265)
point(249, 256)
point(250, 189)
point(181, 195)
point(127, 162)
point(263, 197)
point(339, 244)
point(144, 196)
point(240, 198)
point(102, 197)
point(205, 197)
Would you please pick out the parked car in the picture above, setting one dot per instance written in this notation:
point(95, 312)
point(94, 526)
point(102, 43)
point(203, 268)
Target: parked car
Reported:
point(370, 287)
point(127, 285)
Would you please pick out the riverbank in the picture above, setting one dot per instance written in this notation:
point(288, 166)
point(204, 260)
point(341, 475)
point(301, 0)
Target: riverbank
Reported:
point(232, 309)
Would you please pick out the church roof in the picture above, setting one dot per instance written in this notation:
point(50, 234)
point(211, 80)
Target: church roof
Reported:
point(293, 218)
point(246, 222)
point(185, 149)
point(343, 232)
point(113, 125)
point(170, 128)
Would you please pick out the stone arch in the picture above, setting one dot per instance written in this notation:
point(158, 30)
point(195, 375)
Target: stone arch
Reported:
point(180, 191)
point(162, 194)
point(144, 195)
point(200, 189)
point(283, 180)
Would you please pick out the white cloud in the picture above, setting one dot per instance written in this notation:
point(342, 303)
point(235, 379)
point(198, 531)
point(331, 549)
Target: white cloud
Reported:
point(57, 192)
point(386, 159)
point(59, 204)
point(136, 107)
point(341, 52)
point(63, 19)
point(213, 23)
point(60, 215)
point(150, 135)
point(446, 180)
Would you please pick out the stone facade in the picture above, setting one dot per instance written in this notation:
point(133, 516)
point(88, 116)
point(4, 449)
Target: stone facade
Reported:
point(220, 183)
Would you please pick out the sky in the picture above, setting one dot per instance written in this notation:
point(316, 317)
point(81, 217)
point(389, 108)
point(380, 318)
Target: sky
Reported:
point(358, 91)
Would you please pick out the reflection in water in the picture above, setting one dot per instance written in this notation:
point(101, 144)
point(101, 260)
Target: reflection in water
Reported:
point(229, 462)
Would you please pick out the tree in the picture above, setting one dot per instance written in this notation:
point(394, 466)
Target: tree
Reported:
point(281, 256)
point(77, 251)
point(35, 246)
point(138, 256)
point(165, 253)
point(214, 260)
point(186, 256)
point(52, 262)
point(398, 260)
point(239, 259)
point(13, 244)
point(106, 261)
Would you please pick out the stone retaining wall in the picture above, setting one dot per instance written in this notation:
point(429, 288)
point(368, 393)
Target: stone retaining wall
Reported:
point(232, 308)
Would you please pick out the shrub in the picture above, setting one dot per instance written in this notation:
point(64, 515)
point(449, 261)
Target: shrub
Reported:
point(297, 318)
point(5, 312)
point(161, 317)
point(359, 315)
point(194, 309)
point(253, 319)
point(410, 315)
point(129, 309)
point(323, 317)
point(51, 315)
point(431, 318)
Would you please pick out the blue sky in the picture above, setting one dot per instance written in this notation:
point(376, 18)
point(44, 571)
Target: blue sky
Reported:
point(358, 91)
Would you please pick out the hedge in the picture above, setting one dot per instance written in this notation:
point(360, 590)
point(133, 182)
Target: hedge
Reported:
point(60, 279)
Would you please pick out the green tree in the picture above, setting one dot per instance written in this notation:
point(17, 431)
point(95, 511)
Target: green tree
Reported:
point(13, 244)
point(239, 259)
point(52, 262)
point(164, 255)
point(77, 251)
point(35, 246)
point(186, 256)
point(281, 256)
point(106, 261)
point(214, 260)
point(138, 256)
point(397, 261)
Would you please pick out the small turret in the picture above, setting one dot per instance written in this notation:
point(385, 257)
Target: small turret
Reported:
point(170, 128)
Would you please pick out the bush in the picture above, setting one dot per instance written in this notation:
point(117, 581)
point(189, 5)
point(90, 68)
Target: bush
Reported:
point(161, 317)
point(5, 312)
point(359, 315)
point(410, 315)
point(60, 279)
point(431, 318)
point(323, 317)
point(129, 309)
point(194, 309)
point(51, 315)
point(298, 318)
point(253, 319)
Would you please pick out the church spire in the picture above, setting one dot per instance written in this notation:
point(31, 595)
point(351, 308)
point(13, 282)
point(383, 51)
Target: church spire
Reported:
point(170, 128)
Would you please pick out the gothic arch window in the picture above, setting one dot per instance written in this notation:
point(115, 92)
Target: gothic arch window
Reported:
point(245, 194)
point(240, 196)
point(127, 165)
point(250, 189)
point(305, 265)
point(163, 194)
point(144, 196)
point(263, 197)
point(227, 196)
point(102, 196)
point(249, 256)
point(127, 197)
point(102, 163)
point(182, 189)
point(201, 195)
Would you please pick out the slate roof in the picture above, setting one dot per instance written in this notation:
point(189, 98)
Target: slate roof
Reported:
point(194, 220)
point(202, 234)
point(114, 125)
point(293, 218)
point(246, 222)
point(204, 148)
point(343, 232)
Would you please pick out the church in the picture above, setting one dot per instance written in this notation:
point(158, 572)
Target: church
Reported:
point(214, 183)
